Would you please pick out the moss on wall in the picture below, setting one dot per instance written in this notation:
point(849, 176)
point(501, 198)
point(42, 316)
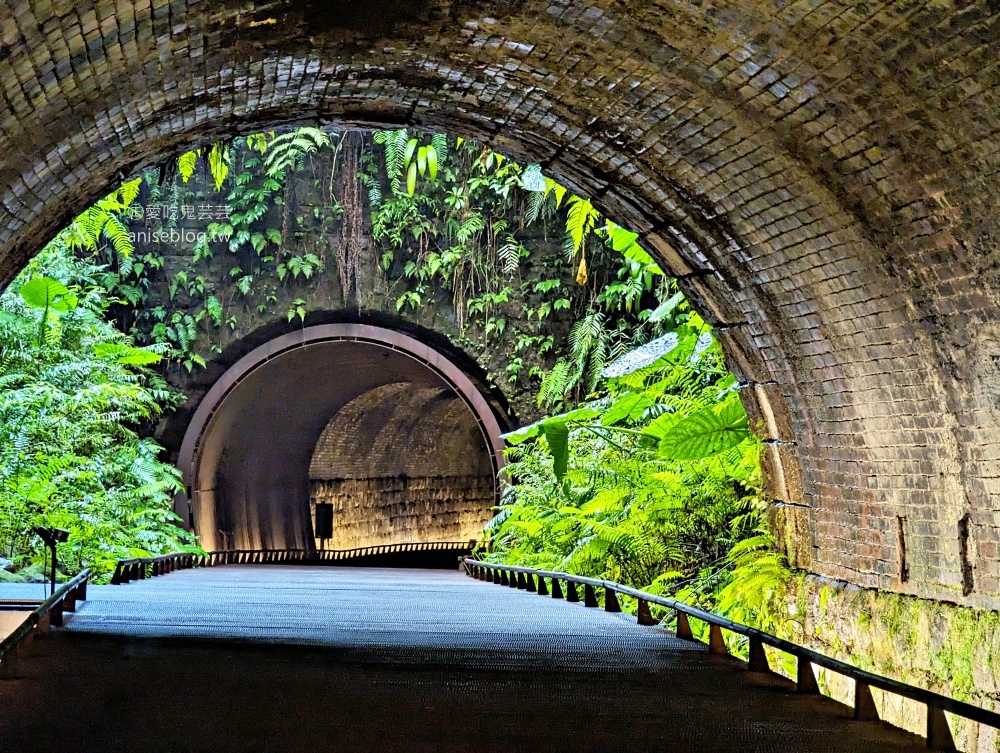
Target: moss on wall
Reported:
point(946, 648)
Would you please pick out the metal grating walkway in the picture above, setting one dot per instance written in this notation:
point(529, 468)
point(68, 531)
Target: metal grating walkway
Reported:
point(330, 659)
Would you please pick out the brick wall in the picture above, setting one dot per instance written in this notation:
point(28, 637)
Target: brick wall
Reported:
point(401, 464)
point(399, 509)
point(821, 175)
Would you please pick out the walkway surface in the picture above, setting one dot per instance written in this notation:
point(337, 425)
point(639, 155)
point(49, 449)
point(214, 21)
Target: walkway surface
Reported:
point(349, 659)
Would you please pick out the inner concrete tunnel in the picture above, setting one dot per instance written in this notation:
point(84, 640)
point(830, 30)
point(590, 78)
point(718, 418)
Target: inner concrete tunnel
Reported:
point(391, 433)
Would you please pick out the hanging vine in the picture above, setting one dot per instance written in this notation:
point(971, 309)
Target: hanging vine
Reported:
point(353, 229)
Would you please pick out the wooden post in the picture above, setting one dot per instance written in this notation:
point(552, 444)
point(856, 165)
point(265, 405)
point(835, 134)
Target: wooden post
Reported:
point(938, 732)
point(645, 617)
point(716, 643)
point(611, 601)
point(56, 614)
point(571, 594)
point(542, 590)
point(556, 589)
point(864, 704)
point(684, 627)
point(805, 680)
point(758, 657)
point(589, 597)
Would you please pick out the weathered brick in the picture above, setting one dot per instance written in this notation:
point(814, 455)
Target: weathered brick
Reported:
point(841, 178)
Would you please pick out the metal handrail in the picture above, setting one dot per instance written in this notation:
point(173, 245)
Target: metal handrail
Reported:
point(139, 568)
point(64, 599)
point(938, 733)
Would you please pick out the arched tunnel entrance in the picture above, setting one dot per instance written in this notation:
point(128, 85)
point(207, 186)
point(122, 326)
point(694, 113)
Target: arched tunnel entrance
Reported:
point(392, 434)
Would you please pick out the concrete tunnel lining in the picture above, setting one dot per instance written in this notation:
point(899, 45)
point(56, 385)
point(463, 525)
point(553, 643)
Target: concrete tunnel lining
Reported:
point(246, 455)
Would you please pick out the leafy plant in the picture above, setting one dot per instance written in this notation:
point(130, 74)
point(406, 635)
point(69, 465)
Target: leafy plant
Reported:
point(70, 409)
point(654, 482)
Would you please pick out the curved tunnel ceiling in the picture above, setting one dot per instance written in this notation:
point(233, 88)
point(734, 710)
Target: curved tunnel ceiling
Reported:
point(246, 455)
point(362, 439)
point(821, 176)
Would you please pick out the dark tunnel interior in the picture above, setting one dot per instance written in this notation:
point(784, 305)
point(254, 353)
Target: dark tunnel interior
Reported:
point(372, 430)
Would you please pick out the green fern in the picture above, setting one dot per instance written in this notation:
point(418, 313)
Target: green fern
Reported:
point(186, 164)
point(395, 143)
point(580, 222)
point(289, 150)
point(218, 163)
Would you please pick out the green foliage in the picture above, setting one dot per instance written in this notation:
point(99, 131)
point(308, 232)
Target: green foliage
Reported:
point(103, 222)
point(70, 408)
point(654, 482)
point(709, 431)
point(579, 223)
point(289, 150)
point(218, 161)
point(464, 230)
point(252, 174)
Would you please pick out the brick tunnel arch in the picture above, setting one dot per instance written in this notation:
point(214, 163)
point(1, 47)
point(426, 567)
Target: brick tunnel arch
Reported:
point(369, 410)
point(816, 174)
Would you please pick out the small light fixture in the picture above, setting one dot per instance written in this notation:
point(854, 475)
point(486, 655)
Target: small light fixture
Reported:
point(52, 537)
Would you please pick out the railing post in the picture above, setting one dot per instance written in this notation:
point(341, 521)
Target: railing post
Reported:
point(938, 732)
point(864, 705)
point(542, 590)
point(556, 589)
point(522, 582)
point(56, 614)
point(716, 642)
point(643, 615)
point(758, 657)
point(504, 580)
point(805, 680)
point(489, 574)
point(571, 593)
point(589, 597)
point(611, 601)
point(684, 627)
